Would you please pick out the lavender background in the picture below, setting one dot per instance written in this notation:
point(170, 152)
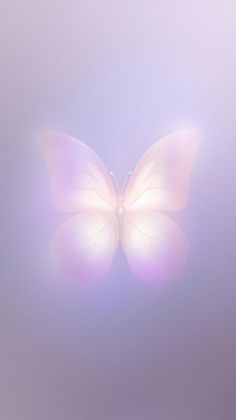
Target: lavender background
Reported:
point(117, 75)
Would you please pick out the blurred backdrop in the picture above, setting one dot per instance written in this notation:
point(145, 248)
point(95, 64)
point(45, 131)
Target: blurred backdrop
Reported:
point(118, 75)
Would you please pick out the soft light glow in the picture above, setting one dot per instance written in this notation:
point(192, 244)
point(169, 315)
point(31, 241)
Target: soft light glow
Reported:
point(153, 244)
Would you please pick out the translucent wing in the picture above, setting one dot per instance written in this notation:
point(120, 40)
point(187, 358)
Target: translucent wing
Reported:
point(154, 245)
point(160, 180)
point(84, 246)
point(79, 179)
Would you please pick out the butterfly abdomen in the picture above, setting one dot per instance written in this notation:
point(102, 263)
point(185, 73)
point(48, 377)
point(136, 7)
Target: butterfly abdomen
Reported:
point(120, 209)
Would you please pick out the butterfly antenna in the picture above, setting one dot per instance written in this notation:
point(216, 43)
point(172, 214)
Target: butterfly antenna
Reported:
point(126, 182)
point(115, 181)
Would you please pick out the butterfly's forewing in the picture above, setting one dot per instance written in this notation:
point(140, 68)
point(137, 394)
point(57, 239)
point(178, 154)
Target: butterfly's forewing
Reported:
point(160, 180)
point(79, 179)
point(154, 245)
point(84, 246)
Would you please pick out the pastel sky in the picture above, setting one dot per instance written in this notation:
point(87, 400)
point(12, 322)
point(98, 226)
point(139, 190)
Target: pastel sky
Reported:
point(117, 75)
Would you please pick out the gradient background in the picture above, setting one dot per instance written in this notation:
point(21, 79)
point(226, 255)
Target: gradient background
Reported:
point(117, 75)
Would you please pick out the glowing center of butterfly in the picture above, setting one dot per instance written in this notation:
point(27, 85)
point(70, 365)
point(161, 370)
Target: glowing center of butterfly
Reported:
point(120, 209)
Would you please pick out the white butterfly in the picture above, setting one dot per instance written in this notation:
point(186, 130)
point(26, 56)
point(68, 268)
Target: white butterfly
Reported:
point(154, 245)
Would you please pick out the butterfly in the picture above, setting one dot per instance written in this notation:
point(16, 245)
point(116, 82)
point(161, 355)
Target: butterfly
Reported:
point(154, 245)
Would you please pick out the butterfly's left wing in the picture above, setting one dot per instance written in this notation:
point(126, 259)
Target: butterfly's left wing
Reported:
point(85, 245)
point(80, 183)
point(79, 179)
point(155, 246)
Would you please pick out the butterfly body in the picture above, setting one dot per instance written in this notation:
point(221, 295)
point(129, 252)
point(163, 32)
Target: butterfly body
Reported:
point(120, 210)
point(154, 245)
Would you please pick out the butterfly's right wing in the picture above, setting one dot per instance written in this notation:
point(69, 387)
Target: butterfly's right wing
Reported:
point(160, 181)
point(84, 246)
point(155, 246)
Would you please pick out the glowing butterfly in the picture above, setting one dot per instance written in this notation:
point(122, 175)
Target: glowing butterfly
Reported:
point(154, 245)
